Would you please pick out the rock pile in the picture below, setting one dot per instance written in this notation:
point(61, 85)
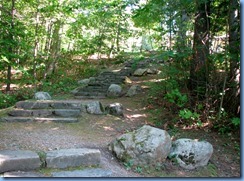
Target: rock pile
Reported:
point(149, 145)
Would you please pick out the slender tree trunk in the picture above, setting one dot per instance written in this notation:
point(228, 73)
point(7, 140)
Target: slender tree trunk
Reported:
point(232, 97)
point(118, 35)
point(11, 49)
point(36, 45)
point(199, 64)
point(54, 49)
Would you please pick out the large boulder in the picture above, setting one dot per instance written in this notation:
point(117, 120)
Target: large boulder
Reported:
point(94, 107)
point(133, 90)
point(115, 109)
point(42, 96)
point(114, 90)
point(191, 154)
point(147, 145)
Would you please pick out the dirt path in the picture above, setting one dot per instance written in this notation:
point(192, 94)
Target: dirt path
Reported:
point(97, 131)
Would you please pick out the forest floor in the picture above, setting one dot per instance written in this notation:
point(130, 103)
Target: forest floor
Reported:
point(97, 131)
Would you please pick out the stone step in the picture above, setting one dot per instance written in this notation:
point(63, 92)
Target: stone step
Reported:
point(92, 172)
point(45, 113)
point(51, 104)
point(81, 93)
point(22, 174)
point(36, 119)
point(65, 158)
point(90, 97)
point(14, 160)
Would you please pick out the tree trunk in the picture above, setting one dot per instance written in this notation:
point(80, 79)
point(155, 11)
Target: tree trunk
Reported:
point(54, 50)
point(36, 45)
point(232, 97)
point(11, 49)
point(199, 64)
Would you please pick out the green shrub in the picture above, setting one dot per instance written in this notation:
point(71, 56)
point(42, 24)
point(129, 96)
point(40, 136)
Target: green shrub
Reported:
point(7, 100)
point(176, 97)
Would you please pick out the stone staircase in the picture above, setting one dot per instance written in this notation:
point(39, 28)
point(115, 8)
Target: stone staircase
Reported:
point(26, 163)
point(61, 111)
point(97, 87)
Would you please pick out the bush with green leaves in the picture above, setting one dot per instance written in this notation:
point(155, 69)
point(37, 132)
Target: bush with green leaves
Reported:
point(7, 100)
point(175, 96)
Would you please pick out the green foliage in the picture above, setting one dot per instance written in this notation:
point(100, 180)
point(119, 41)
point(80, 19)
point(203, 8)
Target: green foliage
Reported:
point(63, 86)
point(138, 169)
point(128, 165)
point(190, 116)
point(236, 121)
point(7, 100)
point(42, 155)
point(174, 96)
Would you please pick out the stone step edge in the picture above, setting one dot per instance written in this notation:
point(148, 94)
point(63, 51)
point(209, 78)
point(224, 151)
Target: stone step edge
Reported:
point(26, 160)
point(45, 112)
point(39, 119)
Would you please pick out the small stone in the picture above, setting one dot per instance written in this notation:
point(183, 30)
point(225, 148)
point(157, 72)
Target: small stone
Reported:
point(140, 72)
point(95, 107)
point(42, 96)
point(115, 109)
point(84, 81)
point(114, 90)
point(134, 89)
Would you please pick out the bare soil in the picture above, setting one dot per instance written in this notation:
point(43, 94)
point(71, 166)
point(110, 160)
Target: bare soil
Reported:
point(97, 131)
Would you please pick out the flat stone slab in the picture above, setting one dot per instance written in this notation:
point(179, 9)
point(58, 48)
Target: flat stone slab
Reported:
point(93, 172)
point(40, 120)
point(73, 157)
point(22, 174)
point(14, 160)
point(26, 113)
point(53, 104)
point(17, 119)
point(56, 120)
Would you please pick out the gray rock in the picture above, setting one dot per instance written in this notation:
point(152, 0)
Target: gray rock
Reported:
point(22, 174)
point(115, 109)
point(73, 157)
point(191, 154)
point(114, 90)
point(147, 145)
point(152, 71)
point(94, 107)
point(93, 172)
point(14, 160)
point(134, 89)
point(42, 96)
point(84, 81)
point(140, 72)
